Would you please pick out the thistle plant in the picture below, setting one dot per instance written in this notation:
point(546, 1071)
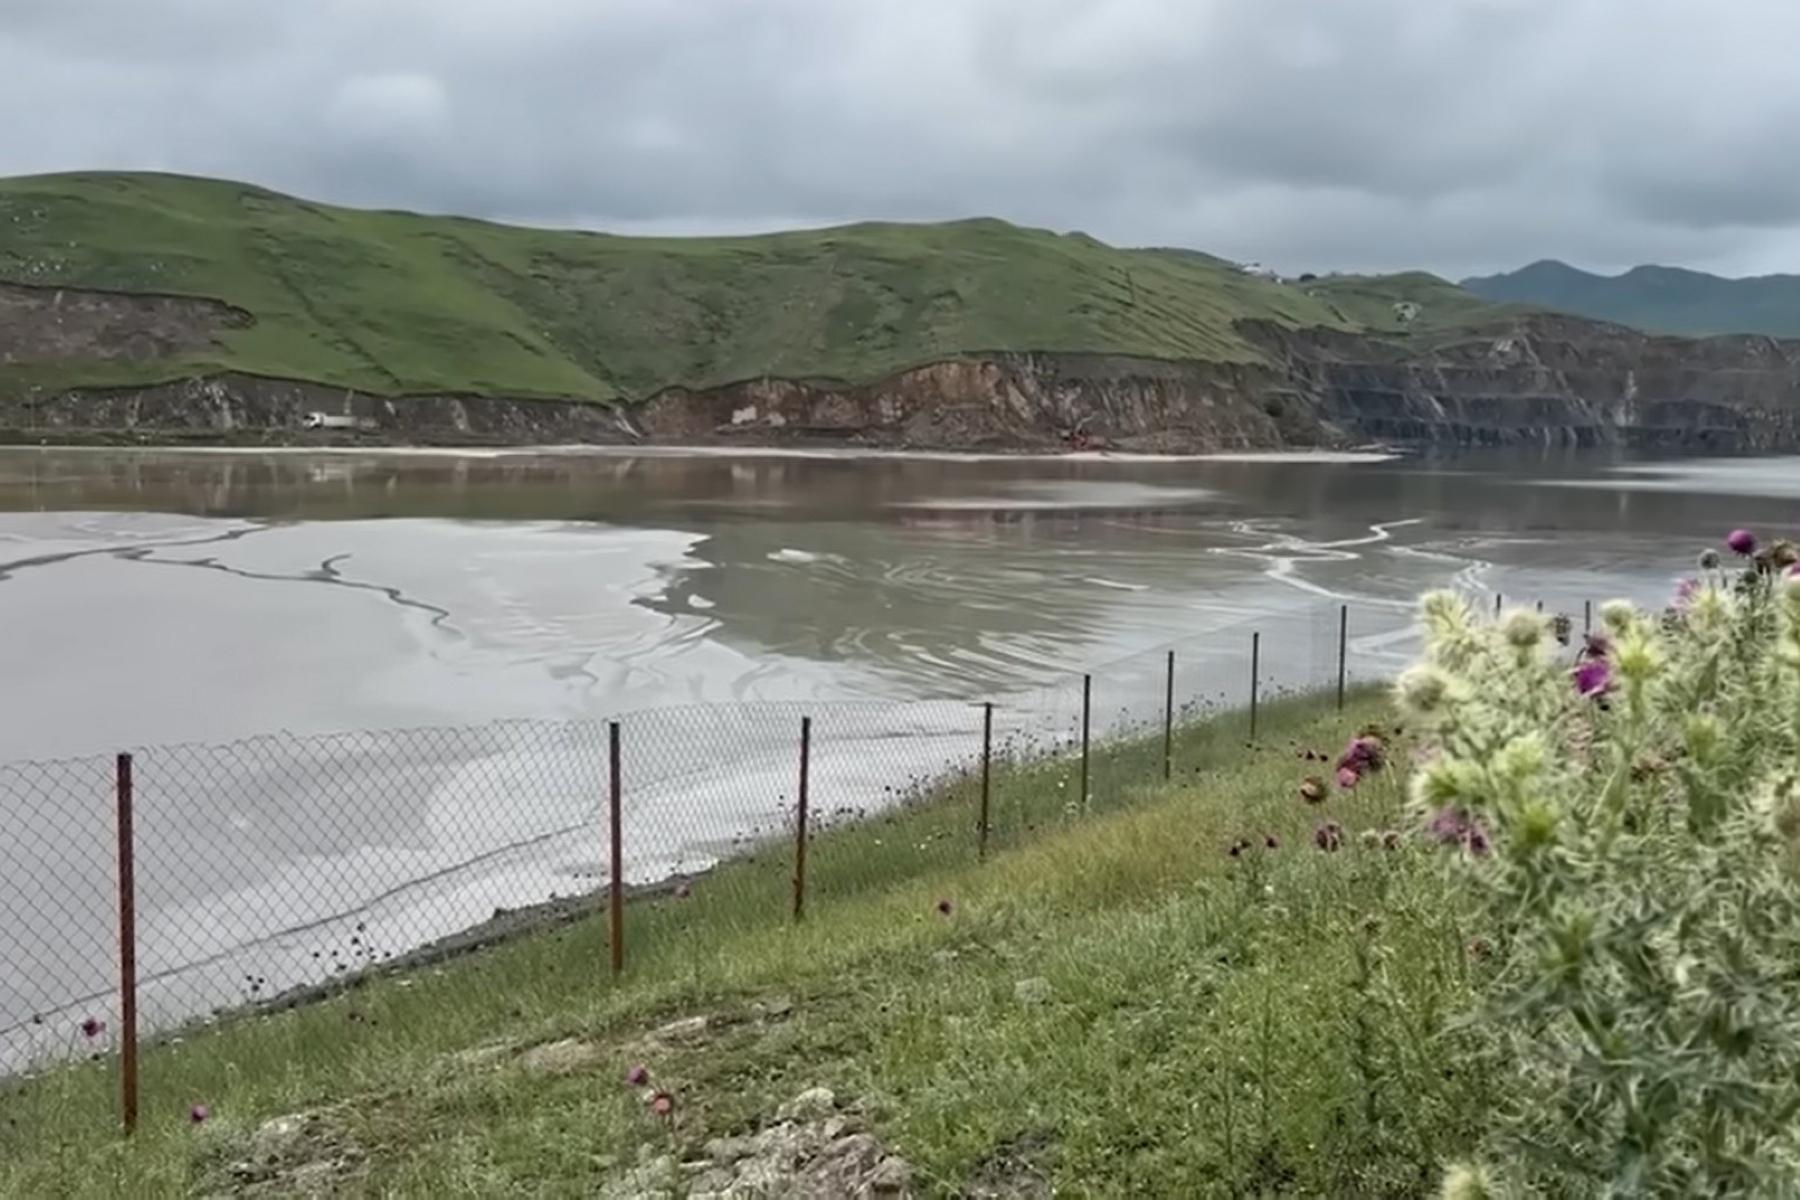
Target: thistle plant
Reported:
point(1626, 829)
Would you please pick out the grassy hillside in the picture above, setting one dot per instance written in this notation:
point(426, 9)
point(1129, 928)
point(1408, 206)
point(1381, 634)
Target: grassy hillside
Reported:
point(1113, 1005)
point(1657, 299)
point(1369, 301)
point(392, 302)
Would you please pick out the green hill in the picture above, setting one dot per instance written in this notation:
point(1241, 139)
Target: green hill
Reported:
point(394, 302)
point(1657, 299)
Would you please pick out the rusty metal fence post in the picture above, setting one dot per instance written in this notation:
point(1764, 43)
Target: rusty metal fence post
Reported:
point(1169, 719)
point(616, 902)
point(1343, 650)
point(800, 824)
point(1087, 708)
point(987, 764)
point(1498, 599)
point(128, 1047)
point(1587, 617)
point(1255, 677)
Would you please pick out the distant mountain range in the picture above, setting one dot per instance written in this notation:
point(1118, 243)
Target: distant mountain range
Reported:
point(1656, 299)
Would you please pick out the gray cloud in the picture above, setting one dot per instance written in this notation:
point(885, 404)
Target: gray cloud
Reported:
point(1316, 134)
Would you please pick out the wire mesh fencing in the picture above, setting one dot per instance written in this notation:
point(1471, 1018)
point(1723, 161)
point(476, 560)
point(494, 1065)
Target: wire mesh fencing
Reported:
point(267, 871)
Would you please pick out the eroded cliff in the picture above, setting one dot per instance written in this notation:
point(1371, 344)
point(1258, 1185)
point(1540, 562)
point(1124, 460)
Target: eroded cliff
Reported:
point(1538, 379)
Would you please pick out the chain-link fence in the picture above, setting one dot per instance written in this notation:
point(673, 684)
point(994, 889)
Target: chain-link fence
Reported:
point(269, 869)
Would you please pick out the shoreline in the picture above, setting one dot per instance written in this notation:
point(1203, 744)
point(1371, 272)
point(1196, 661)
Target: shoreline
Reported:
point(703, 450)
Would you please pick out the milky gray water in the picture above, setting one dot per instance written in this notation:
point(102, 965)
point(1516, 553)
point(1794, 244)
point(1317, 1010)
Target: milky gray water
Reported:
point(156, 597)
point(150, 598)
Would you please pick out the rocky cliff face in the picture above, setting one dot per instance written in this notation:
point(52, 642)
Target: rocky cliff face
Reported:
point(247, 409)
point(1537, 380)
point(1550, 379)
point(997, 401)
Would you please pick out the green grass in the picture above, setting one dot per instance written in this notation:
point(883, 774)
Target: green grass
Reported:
point(1368, 301)
point(1264, 1024)
point(394, 302)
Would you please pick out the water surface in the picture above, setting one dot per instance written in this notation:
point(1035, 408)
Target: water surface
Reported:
point(151, 599)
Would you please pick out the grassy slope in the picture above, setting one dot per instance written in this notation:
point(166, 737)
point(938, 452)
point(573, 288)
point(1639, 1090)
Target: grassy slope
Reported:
point(1215, 1025)
point(394, 302)
point(1368, 301)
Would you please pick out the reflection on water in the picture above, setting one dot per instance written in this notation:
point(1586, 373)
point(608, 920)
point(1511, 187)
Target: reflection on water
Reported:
point(208, 595)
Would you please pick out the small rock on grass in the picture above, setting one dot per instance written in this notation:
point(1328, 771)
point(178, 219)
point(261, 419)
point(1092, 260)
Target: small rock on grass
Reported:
point(725, 1151)
point(676, 1031)
point(892, 1176)
point(559, 1058)
point(812, 1104)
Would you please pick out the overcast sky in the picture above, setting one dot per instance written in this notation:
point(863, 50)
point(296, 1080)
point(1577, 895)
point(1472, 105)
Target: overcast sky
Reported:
point(1460, 135)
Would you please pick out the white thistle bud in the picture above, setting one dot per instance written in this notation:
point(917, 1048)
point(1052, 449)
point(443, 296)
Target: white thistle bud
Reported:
point(1446, 781)
point(1422, 689)
point(1618, 615)
point(1703, 735)
point(1469, 1181)
point(1711, 609)
point(1637, 656)
point(1521, 759)
point(1523, 630)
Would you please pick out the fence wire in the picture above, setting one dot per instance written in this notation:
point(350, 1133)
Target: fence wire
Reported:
point(269, 868)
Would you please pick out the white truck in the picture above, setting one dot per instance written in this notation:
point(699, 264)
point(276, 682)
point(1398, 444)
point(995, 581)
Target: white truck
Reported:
point(325, 420)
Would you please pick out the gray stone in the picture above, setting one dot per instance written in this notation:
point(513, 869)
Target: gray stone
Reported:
point(559, 1058)
point(725, 1151)
point(892, 1176)
point(676, 1031)
point(813, 1103)
point(656, 1179)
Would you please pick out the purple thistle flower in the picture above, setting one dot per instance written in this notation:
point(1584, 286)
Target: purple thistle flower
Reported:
point(1447, 826)
point(1347, 777)
point(637, 1076)
point(199, 1114)
point(1596, 645)
point(1364, 755)
point(662, 1104)
point(1451, 826)
point(1741, 541)
point(92, 1027)
point(1593, 677)
point(1329, 836)
point(1476, 840)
